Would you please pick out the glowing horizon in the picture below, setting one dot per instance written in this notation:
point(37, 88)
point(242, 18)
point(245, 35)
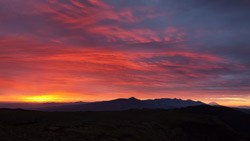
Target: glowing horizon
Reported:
point(224, 101)
point(91, 50)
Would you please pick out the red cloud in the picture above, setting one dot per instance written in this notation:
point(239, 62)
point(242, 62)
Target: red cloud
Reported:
point(93, 48)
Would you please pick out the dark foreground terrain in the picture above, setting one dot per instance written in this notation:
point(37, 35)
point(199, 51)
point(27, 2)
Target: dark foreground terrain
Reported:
point(197, 123)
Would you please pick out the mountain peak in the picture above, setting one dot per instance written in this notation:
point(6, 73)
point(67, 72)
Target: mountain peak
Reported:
point(133, 98)
point(214, 104)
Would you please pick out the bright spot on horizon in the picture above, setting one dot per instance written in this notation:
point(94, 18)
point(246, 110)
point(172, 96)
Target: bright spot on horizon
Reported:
point(44, 98)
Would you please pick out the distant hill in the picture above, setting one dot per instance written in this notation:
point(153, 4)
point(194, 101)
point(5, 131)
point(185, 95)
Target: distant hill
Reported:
point(125, 104)
point(244, 107)
point(30, 105)
point(214, 104)
point(243, 110)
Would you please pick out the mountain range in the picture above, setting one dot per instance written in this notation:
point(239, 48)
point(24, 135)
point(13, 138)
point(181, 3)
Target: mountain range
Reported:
point(125, 104)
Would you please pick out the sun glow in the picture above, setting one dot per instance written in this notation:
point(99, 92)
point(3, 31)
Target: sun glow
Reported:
point(44, 98)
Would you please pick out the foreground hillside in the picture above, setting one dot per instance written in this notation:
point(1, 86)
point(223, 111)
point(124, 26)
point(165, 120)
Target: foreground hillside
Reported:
point(197, 123)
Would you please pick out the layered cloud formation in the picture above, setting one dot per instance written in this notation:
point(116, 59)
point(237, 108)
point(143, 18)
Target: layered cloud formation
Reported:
point(103, 49)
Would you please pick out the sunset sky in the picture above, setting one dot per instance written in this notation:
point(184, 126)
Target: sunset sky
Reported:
point(91, 50)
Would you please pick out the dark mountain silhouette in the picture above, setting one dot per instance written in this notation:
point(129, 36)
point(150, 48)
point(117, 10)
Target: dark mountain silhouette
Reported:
point(125, 104)
point(174, 102)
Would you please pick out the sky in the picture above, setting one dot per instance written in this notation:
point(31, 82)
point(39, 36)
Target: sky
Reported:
point(91, 50)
